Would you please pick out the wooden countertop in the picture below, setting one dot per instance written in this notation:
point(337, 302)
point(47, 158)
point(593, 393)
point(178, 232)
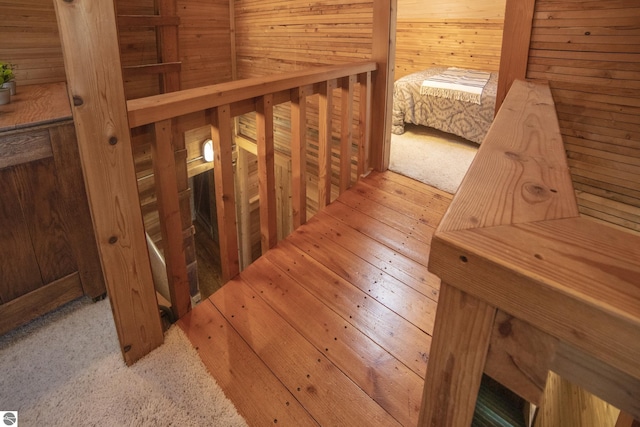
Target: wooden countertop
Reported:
point(35, 105)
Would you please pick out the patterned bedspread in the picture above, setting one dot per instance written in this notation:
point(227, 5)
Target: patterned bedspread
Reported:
point(468, 120)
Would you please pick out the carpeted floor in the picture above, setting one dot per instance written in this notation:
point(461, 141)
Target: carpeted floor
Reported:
point(66, 369)
point(436, 158)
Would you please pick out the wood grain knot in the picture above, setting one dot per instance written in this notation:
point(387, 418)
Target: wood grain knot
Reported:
point(511, 155)
point(77, 101)
point(505, 328)
point(535, 193)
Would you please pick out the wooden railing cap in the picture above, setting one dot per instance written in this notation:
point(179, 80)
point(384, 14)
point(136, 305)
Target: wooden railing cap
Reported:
point(155, 108)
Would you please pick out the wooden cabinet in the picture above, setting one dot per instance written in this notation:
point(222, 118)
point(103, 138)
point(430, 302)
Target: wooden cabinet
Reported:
point(48, 253)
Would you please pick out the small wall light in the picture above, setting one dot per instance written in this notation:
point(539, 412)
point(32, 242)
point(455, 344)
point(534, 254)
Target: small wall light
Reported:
point(207, 150)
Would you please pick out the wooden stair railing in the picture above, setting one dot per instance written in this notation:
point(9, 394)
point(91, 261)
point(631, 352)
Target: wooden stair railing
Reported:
point(529, 286)
point(167, 144)
point(222, 102)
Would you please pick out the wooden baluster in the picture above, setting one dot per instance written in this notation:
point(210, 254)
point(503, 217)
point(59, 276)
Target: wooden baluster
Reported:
point(364, 142)
point(325, 107)
point(225, 192)
point(299, 154)
point(266, 173)
point(164, 171)
point(243, 207)
point(346, 132)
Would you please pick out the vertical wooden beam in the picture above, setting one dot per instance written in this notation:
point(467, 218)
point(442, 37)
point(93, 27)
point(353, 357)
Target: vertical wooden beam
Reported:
point(178, 126)
point(461, 339)
point(299, 155)
point(364, 115)
point(283, 196)
point(164, 172)
point(243, 207)
point(325, 107)
point(516, 37)
point(225, 192)
point(266, 173)
point(383, 52)
point(96, 91)
point(346, 132)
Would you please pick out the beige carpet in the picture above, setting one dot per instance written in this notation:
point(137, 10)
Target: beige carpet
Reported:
point(436, 158)
point(66, 369)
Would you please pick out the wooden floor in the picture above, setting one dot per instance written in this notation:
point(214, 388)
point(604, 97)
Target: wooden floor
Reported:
point(331, 327)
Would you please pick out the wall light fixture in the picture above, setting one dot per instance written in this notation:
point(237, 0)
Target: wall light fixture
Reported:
point(207, 150)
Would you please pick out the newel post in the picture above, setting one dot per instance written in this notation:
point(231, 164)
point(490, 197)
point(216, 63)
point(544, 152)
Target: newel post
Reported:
point(94, 79)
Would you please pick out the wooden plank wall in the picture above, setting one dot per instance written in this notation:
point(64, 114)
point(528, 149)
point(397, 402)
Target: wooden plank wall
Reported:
point(138, 47)
point(461, 33)
point(33, 44)
point(205, 42)
point(31, 41)
point(589, 52)
point(280, 35)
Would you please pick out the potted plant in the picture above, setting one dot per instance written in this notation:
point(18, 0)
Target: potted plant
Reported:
point(7, 85)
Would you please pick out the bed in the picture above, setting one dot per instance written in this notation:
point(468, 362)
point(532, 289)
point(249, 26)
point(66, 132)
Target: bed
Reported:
point(466, 119)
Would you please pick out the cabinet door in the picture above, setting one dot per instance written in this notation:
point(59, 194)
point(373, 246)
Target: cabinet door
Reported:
point(43, 209)
point(19, 271)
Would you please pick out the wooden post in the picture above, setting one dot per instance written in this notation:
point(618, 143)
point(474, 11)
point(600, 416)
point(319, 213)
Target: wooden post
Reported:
point(458, 352)
point(225, 192)
point(96, 91)
point(325, 107)
point(384, 41)
point(364, 118)
point(164, 171)
point(299, 155)
point(266, 173)
point(346, 132)
point(518, 19)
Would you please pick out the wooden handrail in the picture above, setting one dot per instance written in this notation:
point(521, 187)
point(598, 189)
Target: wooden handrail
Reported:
point(220, 104)
point(528, 285)
point(156, 108)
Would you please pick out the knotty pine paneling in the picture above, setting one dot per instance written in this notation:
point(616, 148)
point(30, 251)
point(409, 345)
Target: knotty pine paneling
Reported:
point(451, 9)
point(467, 43)
point(281, 35)
point(588, 51)
point(205, 42)
point(458, 33)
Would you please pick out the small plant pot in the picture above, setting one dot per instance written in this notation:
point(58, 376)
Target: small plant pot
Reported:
point(11, 85)
point(5, 95)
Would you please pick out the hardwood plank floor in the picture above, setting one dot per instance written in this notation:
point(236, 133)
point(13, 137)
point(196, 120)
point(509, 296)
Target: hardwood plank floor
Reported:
point(331, 327)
